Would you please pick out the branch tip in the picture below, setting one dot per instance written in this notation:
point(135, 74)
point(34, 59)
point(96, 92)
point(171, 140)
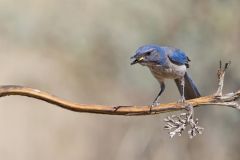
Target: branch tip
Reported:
point(221, 74)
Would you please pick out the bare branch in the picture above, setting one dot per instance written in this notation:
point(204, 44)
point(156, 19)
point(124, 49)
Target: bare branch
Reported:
point(221, 75)
point(228, 100)
point(224, 100)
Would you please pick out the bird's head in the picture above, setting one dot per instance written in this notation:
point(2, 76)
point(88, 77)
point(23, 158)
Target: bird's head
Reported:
point(147, 55)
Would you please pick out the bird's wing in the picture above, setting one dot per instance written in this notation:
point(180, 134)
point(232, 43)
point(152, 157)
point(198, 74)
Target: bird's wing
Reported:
point(178, 57)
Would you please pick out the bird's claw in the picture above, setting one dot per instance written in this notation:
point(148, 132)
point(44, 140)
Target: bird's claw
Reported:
point(182, 101)
point(154, 104)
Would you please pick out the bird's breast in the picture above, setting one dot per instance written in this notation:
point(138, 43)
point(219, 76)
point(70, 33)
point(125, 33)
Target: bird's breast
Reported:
point(171, 71)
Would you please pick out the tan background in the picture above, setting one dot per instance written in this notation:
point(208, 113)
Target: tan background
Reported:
point(80, 49)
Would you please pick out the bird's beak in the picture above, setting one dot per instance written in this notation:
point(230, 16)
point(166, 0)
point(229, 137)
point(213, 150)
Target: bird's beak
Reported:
point(136, 60)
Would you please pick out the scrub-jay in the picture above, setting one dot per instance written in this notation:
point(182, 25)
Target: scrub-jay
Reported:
point(167, 63)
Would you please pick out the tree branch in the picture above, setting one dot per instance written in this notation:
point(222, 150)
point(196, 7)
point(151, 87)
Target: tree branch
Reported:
point(217, 99)
point(174, 124)
point(225, 100)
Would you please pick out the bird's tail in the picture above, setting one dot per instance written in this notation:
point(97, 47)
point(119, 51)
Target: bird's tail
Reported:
point(190, 89)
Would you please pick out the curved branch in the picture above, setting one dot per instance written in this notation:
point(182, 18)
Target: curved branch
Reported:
point(226, 100)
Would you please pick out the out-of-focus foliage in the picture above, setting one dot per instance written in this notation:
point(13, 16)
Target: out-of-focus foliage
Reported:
point(79, 50)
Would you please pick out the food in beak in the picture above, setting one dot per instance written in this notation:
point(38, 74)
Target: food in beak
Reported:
point(137, 60)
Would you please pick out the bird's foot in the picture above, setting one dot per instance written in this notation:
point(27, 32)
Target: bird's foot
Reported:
point(154, 104)
point(182, 100)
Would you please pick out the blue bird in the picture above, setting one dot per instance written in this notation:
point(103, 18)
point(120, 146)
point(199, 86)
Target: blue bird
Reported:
point(167, 63)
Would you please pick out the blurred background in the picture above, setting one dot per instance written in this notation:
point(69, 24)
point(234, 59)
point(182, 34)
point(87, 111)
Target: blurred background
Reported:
point(79, 50)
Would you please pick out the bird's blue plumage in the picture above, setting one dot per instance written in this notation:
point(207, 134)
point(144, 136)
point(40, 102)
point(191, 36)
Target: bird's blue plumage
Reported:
point(178, 57)
point(167, 63)
point(147, 48)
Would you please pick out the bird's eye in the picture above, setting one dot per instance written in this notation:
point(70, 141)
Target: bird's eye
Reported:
point(148, 53)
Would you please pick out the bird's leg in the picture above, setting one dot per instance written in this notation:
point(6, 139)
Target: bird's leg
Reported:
point(182, 100)
point(162, 88)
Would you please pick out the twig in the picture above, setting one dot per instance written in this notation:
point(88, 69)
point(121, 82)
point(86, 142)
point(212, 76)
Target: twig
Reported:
point(221, 75)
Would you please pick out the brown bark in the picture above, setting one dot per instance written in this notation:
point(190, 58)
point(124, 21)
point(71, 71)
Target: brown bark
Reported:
point(224, 100)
